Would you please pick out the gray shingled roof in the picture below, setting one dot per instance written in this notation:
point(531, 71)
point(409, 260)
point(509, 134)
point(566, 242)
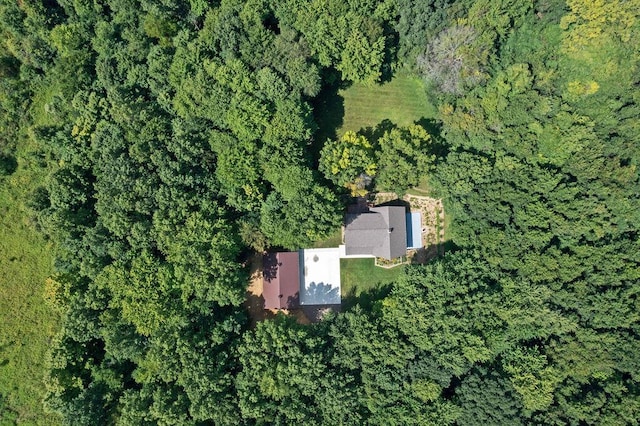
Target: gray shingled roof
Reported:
point(381, 232)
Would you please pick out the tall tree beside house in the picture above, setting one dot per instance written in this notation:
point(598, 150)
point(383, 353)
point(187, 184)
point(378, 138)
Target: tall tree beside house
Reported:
point(405, 155)
point(345, 160)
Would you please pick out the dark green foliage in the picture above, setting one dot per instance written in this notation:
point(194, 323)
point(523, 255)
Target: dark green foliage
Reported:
point(282, 373)
point(353, 37)
point(8, 165)
point(418, 22)
point(284, 221)
point(487, 399)
point(532, 183)
point(405, 155)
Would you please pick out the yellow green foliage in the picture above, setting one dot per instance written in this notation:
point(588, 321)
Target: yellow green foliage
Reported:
point(592, 22)
point(532, 377)
point(579, 88)
point(344, 160)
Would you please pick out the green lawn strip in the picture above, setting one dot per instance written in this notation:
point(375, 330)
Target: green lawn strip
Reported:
point(41, 101)
point(362, 281)
point(333, 240)
point(26, 322)
point(422, 189)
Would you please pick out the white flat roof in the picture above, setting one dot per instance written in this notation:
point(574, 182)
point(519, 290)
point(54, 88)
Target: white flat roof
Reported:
point(320, 276)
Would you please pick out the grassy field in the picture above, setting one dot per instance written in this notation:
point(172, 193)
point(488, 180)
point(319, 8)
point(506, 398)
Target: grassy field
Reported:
point(26, 322)
point(362, 281)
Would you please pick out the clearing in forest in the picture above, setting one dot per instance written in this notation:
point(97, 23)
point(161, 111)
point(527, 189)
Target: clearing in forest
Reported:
point(403, 100)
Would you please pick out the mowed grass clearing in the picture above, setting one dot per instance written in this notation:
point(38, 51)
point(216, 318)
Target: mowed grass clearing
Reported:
point(27, 323)
point(403, 101)
point(362, 281)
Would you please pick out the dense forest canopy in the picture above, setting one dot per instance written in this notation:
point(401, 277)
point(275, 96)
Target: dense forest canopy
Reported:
point(180, 137)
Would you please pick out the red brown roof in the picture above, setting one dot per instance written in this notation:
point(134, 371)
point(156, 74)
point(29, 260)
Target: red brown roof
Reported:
point(281, 280)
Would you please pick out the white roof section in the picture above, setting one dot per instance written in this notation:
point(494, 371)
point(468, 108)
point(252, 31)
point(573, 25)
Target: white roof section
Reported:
point(320, 276)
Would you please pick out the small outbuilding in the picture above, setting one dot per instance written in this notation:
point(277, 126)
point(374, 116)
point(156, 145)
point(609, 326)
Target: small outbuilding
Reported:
point(281, 280)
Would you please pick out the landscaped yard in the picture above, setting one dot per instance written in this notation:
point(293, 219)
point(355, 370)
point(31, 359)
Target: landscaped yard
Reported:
point(402, 101)
point(362, 281)
point(26, 322)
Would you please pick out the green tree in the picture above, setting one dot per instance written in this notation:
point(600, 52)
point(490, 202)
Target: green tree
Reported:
point(362, 60)
point(282, 370)
point(346, 159)
point(404, 157)
point(488, 398)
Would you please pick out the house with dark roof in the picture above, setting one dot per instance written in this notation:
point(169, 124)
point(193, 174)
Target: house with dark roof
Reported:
point(281, 280)
point(379, 232)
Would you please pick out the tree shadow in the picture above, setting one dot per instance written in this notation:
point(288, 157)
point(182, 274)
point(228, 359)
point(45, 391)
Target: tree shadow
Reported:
point(397, 202)
point(328, 113)
point(270, 266)
point(374, 133)
point(426, 254)
point(293, 302)
point(321, 294)
point(390, 55)
point(431, 125)
point(254, 304)
point(366, 299)
point(8, 165)
point(315, 313)
point(439, 146)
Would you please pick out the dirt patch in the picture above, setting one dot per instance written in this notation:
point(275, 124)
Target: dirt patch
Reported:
point(254, 303)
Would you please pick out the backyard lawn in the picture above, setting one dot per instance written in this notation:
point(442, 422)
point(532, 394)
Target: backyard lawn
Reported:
point(402, 101)
point(362, 281)
point(333, 240)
